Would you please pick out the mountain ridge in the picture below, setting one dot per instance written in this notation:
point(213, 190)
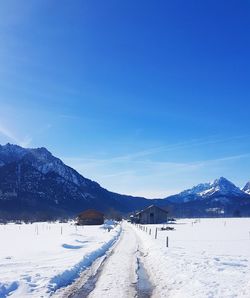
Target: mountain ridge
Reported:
point(220, 186)
point(34, 182)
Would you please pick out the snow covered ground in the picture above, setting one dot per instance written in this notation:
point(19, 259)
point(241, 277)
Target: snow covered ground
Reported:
point(37, 259)
point(205, 258)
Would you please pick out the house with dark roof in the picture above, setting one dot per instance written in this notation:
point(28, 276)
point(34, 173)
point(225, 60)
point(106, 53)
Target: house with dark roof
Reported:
point(152, 215)
point(90, 217)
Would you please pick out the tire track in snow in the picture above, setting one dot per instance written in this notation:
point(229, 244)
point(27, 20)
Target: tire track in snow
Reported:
point(118, 277)
point(87, 268)
point(87, 281)
point(124, 274)
point(144, 287)
point(119, 273)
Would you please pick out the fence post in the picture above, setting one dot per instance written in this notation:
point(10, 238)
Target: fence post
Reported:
point(167, 241)
point(149, 231)
point(155, 233)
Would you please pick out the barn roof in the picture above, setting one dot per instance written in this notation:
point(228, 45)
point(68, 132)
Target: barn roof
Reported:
point(154, 206)
point(90, 213)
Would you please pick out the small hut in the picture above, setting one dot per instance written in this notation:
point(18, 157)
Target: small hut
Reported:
point(152, 215)
point(90, 217)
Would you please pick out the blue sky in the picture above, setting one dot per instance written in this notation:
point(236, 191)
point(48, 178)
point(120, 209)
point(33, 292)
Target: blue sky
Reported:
point(145, 97)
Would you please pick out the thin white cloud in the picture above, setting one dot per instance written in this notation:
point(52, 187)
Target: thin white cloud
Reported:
point(150, 178)
point(161, 165)
point(151, 151)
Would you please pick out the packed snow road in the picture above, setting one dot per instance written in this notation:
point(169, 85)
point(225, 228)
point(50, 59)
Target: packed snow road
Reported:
point(118, 278)
point(121, 274)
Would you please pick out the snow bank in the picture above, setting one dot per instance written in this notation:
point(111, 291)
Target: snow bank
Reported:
point(66, 277)
point(37, 259)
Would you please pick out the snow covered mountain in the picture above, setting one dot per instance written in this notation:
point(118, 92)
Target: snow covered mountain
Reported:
point(220, 197)
point(35, 183)
point(219, 189)
point(41, 159)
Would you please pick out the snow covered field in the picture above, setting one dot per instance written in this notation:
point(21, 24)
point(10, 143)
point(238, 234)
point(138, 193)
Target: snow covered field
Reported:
point(205, 258)
point(37, 259)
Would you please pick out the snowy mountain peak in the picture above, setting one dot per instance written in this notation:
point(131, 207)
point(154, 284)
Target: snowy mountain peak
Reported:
point(10, 148)
point(196, 189)
point(10, 153)
point(223, 182)
point(41, 159)
point(224, 186)
point(246, 188)
point(220, 187)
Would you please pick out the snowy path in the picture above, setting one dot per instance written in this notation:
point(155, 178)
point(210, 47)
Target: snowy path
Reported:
point(118, 278)
point(120, 273)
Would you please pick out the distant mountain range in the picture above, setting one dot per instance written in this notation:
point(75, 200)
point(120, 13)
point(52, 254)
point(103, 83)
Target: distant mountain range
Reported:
point(220, 197)
point(220, 189)
point(36, 185)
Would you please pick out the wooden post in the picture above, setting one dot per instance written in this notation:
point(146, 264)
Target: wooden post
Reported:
point(149, 231)
point(155, 233)
point(167, 241)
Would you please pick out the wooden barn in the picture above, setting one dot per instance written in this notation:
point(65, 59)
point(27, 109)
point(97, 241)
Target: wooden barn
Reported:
point(152, 215)
point(90, 217)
